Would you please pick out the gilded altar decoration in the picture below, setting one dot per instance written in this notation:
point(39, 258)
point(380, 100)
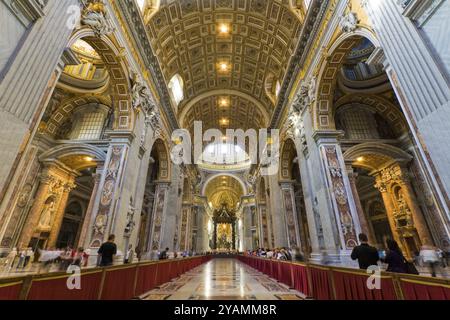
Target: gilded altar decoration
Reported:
point(224, 237)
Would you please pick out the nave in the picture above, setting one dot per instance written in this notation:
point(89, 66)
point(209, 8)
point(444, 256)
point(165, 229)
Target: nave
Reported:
point(223, 279)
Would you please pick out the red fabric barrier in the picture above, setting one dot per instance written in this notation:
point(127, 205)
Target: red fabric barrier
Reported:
point(119, 284)
point(353, 286)
point(146, 279)
point(300, 275)
point(321, 285)
point(414, 290)
point(163, 273)
point(285, 274)
point(10, 291)
point(56, 288)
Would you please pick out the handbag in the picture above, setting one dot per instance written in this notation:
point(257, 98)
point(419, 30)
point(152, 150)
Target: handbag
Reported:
point(410, 267)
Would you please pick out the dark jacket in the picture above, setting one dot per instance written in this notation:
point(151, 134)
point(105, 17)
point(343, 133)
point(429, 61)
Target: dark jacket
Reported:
point(396, 262)
point(366, 255)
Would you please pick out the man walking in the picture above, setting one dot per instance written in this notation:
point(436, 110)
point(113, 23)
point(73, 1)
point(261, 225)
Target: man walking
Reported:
point(365, 254)
point(107, 252)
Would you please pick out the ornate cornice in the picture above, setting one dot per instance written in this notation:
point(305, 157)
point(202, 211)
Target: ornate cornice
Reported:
point(310, 29)
point(136, 26)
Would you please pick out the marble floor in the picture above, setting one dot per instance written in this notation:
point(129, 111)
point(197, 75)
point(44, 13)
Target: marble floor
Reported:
point(223, 279)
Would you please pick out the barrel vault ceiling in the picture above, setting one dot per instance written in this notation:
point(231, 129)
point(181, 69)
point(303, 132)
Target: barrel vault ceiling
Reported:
point(188, 39)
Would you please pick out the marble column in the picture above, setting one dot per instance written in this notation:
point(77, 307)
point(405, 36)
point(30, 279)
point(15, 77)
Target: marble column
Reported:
point(361, 214)
point(29, 80)
point(89, 211)
point(420, 84)
point(46, 182)
point(247, 228)
point(157, 234)
point(290, 213)
point(390, 208)
point(339, 192)
point(59, 216)
point(418, 218)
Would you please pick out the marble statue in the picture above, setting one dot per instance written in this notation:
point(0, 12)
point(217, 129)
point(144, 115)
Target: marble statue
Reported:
point(94, 16)
point(47, 213)
point(349, 22)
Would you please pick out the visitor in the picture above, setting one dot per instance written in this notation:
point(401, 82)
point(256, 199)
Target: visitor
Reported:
point(394, 258)
point(129, 255)
point(164, 255)
point(365, 254)
point(78, 258)
point(107, 252)
point(297, 255)
point(430, 258)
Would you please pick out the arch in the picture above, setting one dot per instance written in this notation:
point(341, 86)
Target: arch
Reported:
point(75, 156)
point(228, 174)
point(382, 106)
point(65, 109)
point(221, 92)
point(111, 53)
point(288, 155)
point(323, 108)
point(162, 151)
point(375, 156)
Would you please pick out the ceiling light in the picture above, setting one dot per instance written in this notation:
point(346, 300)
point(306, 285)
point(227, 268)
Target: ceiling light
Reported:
point(224, 102)
point(224, 28)
point(223, 66)
point(360, 159)
point(224, 122)
point(88, 159)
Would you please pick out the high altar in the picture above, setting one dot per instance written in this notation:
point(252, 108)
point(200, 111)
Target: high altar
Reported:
point(224, 237)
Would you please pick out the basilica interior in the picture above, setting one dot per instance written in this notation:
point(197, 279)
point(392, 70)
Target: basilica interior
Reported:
point(348, 98)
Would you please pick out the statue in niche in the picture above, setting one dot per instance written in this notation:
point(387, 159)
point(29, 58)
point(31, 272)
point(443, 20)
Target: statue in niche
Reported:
point(47, 214)
point(94, 16)
point(130, 218)
point(404, 217)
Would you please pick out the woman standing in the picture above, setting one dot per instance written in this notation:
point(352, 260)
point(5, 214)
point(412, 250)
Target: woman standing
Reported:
point(394, 258)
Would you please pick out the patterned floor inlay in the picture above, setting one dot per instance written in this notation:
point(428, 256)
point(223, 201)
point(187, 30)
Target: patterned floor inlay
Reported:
point(154, 296)
point(288, 297)
point(223, 279)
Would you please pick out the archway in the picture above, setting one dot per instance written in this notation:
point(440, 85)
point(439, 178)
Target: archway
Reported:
point(291, 182)
point(158, 172)
point(383, 178)
point(223, 194)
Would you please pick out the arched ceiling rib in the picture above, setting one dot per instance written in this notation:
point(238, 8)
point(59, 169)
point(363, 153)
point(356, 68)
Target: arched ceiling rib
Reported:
point(187, 40)
point(224, 189)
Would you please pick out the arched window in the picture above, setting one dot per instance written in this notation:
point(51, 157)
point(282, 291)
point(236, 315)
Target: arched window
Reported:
point(277, 89)
point(176, 89)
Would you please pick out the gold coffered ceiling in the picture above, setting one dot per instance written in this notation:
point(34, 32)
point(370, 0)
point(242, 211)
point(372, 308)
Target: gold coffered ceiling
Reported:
point(225, 111)
point(186, 36)
point(224, 189)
